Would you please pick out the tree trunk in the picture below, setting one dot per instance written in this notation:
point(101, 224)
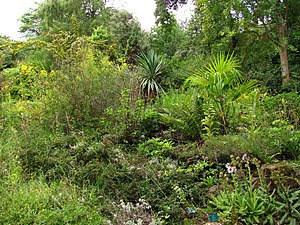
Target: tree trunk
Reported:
point(283, 48)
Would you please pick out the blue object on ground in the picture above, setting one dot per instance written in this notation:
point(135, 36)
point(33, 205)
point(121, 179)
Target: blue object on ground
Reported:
point(192, 210)
point(213, 217)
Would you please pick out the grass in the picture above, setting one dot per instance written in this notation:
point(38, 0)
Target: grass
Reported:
point(37, 202)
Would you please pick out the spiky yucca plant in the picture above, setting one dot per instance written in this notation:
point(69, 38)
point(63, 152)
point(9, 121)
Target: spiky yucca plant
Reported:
point(150, 73)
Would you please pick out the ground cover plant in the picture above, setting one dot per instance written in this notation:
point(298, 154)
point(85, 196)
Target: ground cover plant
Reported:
point(99, 125)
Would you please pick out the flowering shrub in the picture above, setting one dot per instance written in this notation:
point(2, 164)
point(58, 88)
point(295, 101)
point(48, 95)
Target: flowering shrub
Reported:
point(245, 199)
point(133, 214)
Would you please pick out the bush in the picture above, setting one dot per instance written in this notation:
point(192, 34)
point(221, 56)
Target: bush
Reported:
point(85, 86)
point(284, 107)
point(220, 148)
point(265, 144)
point(182, 112)
point(156, 147)
point(280, 143)
point(23, 83)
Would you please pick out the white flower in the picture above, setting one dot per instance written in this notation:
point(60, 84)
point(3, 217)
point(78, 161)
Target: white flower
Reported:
point(231, 169)
point(244, 157)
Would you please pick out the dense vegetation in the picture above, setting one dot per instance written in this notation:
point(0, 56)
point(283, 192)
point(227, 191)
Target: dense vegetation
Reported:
point(104, 123)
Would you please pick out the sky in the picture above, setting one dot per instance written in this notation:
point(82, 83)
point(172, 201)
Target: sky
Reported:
point(143, 10)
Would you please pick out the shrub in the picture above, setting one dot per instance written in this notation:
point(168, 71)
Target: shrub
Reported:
point(284, 107)
point(23, 83)
point(134, 214)
point(156, 147)
point(85, 86)
point(265, 144)
point(182, 112)
point(220, 148)
point(281, 143)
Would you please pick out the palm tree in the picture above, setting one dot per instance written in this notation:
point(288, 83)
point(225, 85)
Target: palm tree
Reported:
point(151, 70)
point(221, 84)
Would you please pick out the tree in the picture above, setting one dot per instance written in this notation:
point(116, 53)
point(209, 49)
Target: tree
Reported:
point(222, 24)
point(174, 4)
point(274, 17)
point(167, 35)
point(87, 18)
point(53, 16)
point(126, 32)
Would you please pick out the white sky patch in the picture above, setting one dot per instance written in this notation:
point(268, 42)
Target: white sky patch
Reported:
point(10, 12)
point(143, 10)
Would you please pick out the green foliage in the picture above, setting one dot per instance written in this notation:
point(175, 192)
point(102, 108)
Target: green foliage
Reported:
point(35, 202)
point(220, 85)
point(125, 121)
point(183, 112)
point(220, 148)
point(24, 83)
point(63, 15)
point(280, 143)
point(289, 206)
point(156, 147)
point(243, 201)
point(167, 35)
point(284, 107)
point(151, 72)
point(251, 30)
point(75, 137)
point(86, 85)
point(266, 144)
point(127, 34)
point(7, 53)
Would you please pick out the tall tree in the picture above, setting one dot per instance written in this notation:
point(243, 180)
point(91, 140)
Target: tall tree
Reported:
point(167, 35)
point(275, 17)
point(225, 20)
point(126, 32)
point(53, 16)
point(174, 4)
point(87, 18)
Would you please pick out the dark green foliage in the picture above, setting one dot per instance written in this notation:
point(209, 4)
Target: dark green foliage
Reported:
point(78, 144)
point(285, 107)
point(150, 74)
point(265, 144)
point(183, 112)
point(156, 147)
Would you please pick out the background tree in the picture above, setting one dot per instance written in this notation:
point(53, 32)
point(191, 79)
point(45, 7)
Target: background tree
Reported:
point(257, 31)
point(167, 35)
point(53, 16)
point(276, 18)
point(87, 18)
point(126, 32)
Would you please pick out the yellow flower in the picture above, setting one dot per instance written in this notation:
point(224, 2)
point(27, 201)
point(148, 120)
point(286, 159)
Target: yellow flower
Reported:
point(23, 68)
